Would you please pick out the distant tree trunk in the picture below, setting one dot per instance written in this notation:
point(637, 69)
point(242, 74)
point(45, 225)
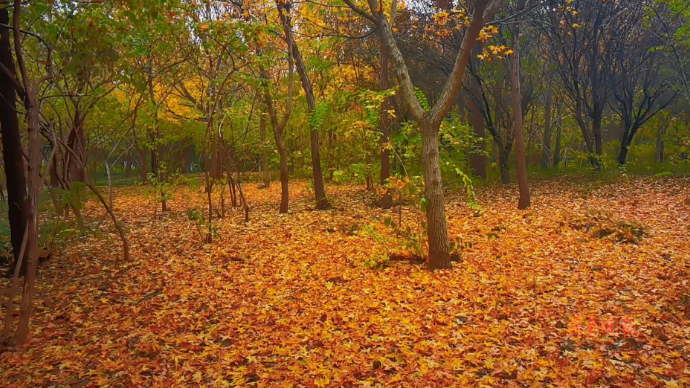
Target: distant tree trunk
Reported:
point(278, 131)
point(12, 144)
point(76, 141)
point(141, 166)
point(589, 136)
point(559, 132)
point(266, 174)
point(596, 130)
point(659, 153)
point(284, 175)
point(518, 121)
point(386, 201)
point(319, 187)
point(503, 162)
point(629, 132)
point(219, 160)
point(530, 135)
point(154, 159)
point(623, 154)
point(477, 158)
point(546, 156)
point(128, 169)
point(153, 135)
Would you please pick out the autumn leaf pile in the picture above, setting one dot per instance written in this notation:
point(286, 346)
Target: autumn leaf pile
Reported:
point(286, 301)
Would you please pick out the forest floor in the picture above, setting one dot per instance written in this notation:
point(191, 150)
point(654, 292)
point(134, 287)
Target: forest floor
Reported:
point(590, 287)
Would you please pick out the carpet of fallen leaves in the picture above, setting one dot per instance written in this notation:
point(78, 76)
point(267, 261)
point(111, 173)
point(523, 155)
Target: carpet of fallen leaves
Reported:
point(287, 302)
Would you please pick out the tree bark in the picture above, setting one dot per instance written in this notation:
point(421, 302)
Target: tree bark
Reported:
point(659, 152)
point(503, 162)
point(546, 156)
point(12, 145)
point(386, 201)
point(559, 132)
point(439, 246)
point(76, 141)
point(589, 136)
point(282, 153)
point(476, 119)
point(478, 159)
point(623, 154)
point(142, 166)
point(266, 174)
point(518, 120)
point(596, 131)
point(284, 175)
point(34, 170)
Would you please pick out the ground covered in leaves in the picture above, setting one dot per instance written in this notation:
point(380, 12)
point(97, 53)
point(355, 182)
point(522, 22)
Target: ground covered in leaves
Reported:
point(588, 288)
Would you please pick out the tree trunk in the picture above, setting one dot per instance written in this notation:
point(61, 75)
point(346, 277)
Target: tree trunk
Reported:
point(319, 187)
point(76, 141)
point(659, 153)
point(284, 175)
point(503, 162)
point(141, 166)
point(217, 160)
point(518, 120)
point(386, 201)
point(546, 157)
point(12, 145)
point(439, 247)
point(477, 158)
point(596, 131)
point(559, 132)
point(266, 174)
point(34, 171)
point(623, 154)
point(589, 136)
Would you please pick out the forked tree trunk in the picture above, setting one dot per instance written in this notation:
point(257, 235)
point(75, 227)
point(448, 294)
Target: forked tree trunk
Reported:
point(588, 136)
point(430, 121)
point(518, 120)
point(317, 173)
point(12, 144)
